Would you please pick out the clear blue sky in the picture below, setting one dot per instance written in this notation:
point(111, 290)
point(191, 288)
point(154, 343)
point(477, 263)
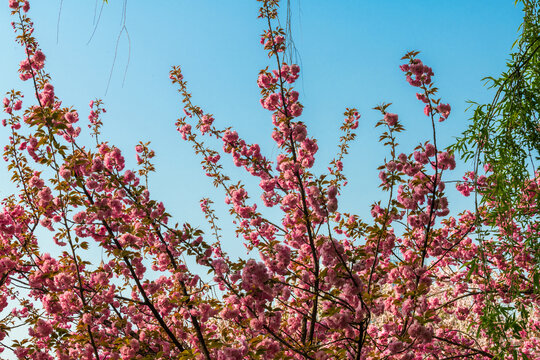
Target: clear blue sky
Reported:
point(349, 50)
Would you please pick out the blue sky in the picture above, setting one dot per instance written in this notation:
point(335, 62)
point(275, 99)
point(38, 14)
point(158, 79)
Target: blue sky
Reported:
point(349, 52)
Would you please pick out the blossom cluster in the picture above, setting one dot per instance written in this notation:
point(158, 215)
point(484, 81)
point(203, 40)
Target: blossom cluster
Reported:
point(318, 283)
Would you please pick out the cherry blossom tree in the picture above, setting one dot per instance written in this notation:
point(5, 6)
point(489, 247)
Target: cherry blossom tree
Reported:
point(318, 283)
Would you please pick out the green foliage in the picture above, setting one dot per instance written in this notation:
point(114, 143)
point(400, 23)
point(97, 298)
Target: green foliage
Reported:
point(505, 135)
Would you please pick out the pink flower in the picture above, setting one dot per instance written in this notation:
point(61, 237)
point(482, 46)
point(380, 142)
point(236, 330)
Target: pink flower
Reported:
point(14, 4)
point(272, 102)
point(25, 65)
point(254, 275)
point(332, 205)
point(264, 81)
point(79, 217)
point(444, 110)
point(114, 160)
point(292, 97)
point(299, 132)
point(47, 95)
point(279, 39)
point(421, 157)
point(220, 267)
point(42, 329)
point(71, 117)
point(17, 105)
point(395, 346)
point(430, 150)
point(230, 137)
point(48, 87)
point(422, 74)
point(391, 119)
point(65, 173)
point(185, 130)
point(422, 98)
point(332, 192)
point(296, 110)
point(38, 60)
point(446, 161)
point(206, 123)
point(415, 330)
point(36, 182)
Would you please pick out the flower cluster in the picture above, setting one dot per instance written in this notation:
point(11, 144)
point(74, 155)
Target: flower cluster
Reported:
point(318, 283)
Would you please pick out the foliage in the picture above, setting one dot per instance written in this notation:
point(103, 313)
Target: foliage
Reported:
point(505, 137)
